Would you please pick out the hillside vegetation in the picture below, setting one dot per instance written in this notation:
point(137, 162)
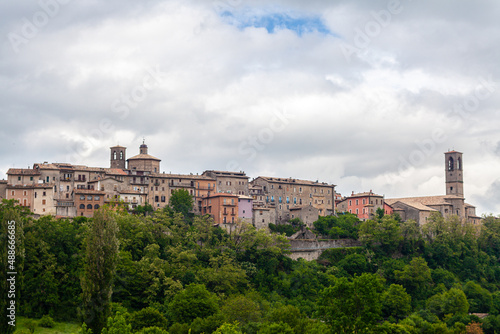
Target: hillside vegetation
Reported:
point(175, 273)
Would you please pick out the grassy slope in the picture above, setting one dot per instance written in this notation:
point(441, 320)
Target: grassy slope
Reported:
point(60, 328)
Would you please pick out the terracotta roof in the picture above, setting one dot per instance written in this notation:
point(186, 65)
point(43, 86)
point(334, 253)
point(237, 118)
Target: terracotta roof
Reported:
point(426, 200)
point(33, 185)
point(416, 205)
point(222, 195)
point(454, 152)
point(294, 181)
point(227, 173)
point(117, 146)
point(22, 171)
point(89, 191)
point(143, 157)
point(116, 171)
point(365, 194)
point(180, 176)
point(245, 197)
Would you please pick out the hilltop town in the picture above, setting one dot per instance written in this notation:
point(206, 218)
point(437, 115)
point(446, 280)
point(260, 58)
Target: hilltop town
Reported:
point(66, 190)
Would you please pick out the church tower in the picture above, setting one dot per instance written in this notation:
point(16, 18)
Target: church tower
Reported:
point(454, 173)
point(118, 157)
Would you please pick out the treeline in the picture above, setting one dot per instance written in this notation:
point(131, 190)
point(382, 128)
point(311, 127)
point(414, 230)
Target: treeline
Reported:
point(175, 273)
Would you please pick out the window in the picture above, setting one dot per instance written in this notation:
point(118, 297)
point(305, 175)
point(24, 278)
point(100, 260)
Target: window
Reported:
point(82, 206)
point(19, 178)
point(96, 206)
point(163, 199)
point(300, 201)
point(450, 164)
point(121, 155)
point(97, 198)
point(363, 201)
point(24, 193)
point(279, 199)
point(295, 200)
point(35, 194)
point(89, 197)
point(43, 202)
point(31, 178)
point(12, 193)
point(288, 200)
point(357, 211)
point(114, 155)
point(89, 206)
point(232, 201)
point(225, 200)
point(156, 199)
point(357, 202)
point(44, 193)
point(350, 202)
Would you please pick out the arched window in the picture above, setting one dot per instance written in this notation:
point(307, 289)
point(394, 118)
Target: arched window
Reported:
point(114, 155)
point(459, 164)
point(89, 206)
point(96, 206)
point(121, 155)
point(450, 163)
point(82, 206)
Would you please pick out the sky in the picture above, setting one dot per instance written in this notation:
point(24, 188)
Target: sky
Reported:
point(366, 95)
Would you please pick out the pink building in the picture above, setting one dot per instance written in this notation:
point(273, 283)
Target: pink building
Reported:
point(245, 205)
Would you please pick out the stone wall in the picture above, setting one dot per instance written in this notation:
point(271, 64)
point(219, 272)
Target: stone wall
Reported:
point(309, 249)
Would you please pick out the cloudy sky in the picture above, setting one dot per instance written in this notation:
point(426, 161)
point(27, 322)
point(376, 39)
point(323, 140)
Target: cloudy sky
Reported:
point(361, 94)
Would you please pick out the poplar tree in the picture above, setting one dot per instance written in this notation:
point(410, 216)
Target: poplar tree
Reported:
point(100, 264)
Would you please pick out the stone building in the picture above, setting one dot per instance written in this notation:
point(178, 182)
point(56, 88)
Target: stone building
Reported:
point(143, 161)
point(287, 193)
point(308, 214)
point(453, 203)
point(229, 182)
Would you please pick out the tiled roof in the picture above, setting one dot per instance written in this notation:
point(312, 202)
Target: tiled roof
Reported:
point(416, 205)
point(143, 157)
point(365, 194)
point(22, 171)
point(226, 173)
point(294, 181)
point(425, 200)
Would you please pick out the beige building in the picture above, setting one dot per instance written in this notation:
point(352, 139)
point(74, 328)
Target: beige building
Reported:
point(308, 214)
point(143, 161)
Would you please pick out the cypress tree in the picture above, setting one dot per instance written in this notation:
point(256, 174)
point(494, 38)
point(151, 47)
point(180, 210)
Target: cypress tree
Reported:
point(100, 264)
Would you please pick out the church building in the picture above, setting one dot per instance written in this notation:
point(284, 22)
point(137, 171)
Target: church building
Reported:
point(453, 203)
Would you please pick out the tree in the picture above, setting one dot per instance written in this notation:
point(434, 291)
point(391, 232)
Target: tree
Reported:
point(416, 277)
point(147, 317)
point(181, 201)
point(117, 325)
point(352, 306)
point(193, 302)
point(100, 262)
point(479, 298)
point(396, 302)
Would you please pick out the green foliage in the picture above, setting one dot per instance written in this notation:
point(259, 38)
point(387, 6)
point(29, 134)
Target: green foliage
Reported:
point(241, 309)
point(181, 202)
point(276, 328)
point(145, 210)
point(100, 262)
point(480, 299)
point(396, 303)
point(385, 233)
point(152, 330)
point(228, 328)
point(416, 278)
point(352, 306)
point(30, 325)
point(344, 225)
point(452, 302)
point(193, 302)
point(289, 228)
point(47, 322)
point(117, 325)
point(84, 329)
point(147, 317)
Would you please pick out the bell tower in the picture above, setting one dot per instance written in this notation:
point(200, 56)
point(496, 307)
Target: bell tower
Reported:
point(454, 173)
point(118, 157)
